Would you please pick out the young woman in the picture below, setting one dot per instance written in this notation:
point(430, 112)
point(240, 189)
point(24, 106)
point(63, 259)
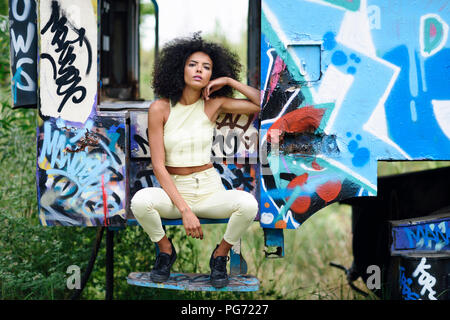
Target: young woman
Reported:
point(195, 80)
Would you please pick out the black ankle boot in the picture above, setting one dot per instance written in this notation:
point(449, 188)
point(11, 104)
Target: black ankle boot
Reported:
point(163, 263)
point(218, 265)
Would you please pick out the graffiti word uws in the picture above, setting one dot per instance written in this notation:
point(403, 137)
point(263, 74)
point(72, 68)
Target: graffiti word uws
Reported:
point(425, 279)
point(66, 75)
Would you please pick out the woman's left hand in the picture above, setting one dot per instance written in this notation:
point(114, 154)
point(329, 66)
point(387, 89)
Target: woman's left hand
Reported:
point(214, 85)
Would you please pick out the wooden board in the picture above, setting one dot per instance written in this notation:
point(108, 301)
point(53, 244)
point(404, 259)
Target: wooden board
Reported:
point(194, 282)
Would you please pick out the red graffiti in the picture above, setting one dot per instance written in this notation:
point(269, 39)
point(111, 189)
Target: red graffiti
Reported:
point(105, 203)
point(301, 203)
point(316, 166)
point(280, 224)
point(298, 181)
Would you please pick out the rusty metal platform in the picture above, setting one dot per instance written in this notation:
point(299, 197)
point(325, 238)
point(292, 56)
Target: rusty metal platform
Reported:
point(195, 282)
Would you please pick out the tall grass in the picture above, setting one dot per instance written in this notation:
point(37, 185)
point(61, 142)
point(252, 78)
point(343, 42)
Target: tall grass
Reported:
point(304, 271)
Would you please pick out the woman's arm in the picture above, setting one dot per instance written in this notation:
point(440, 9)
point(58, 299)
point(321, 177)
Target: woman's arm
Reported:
point(230, 105)
point(156, 143)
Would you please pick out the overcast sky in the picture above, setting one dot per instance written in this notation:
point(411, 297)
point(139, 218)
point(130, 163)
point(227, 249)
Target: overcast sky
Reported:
point(184, 17)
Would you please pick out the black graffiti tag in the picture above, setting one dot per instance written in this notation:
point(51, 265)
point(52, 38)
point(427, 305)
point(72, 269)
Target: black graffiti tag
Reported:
point(67, 77)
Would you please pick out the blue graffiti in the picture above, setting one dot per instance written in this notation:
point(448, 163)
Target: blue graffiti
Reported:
point(114, 136)
point(409, 125)
point(405, 284)
point(339, 58)
point(15, 82)
point(329, 41)
point(360, 155)
point(81, 169)
point(383, 70)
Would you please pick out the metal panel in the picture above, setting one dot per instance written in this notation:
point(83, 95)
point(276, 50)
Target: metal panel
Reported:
point(235, 137)
point(82, 176)
point(194, 282)
point(429, 234)
point(381, 95)
point(82, 154)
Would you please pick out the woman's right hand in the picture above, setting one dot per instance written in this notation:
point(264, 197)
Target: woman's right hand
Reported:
point(214, 85)
point(192, 225)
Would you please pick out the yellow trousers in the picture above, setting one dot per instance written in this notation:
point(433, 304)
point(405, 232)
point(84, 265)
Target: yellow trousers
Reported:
point(206, 196)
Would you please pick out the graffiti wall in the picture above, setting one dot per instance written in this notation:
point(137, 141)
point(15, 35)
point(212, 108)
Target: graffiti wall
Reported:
point(91, 163)
point(81, 173)
point(68, 59)
point(23, 57)
point(235, 137)
point(347, 84)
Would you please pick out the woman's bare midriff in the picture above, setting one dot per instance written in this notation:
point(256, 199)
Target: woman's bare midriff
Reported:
point(182, 171)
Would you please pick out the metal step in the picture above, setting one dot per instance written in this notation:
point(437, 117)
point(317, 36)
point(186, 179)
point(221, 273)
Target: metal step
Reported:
point(195, 282)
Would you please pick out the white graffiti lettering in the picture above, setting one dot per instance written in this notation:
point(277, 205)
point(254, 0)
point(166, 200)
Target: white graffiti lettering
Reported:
point(18, 43)
point(426, 280)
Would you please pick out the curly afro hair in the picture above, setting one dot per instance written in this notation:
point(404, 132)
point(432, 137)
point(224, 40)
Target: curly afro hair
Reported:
point(168, 72)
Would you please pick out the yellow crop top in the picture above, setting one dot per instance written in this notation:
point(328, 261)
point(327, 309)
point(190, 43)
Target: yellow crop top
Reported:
point(188, 135)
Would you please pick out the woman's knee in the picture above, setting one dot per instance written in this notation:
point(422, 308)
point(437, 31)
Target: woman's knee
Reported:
point(248, 206)
point(143, 202)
